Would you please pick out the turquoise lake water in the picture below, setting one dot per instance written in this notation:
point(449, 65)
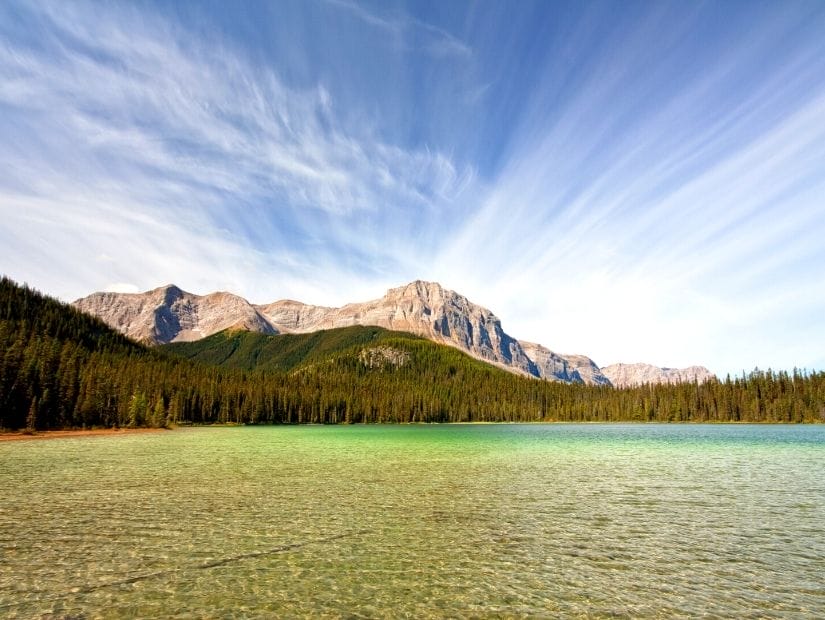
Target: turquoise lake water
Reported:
point(417, 521)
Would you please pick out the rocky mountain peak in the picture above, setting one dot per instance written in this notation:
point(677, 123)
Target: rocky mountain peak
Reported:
point(417, 288)
point(170, 293)
point(170, 314)
point(421, 293)
point(172, 288)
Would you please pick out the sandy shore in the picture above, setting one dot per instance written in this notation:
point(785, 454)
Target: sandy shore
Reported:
point(19, 436)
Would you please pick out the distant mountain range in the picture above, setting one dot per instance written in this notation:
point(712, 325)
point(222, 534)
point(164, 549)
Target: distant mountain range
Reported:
point(169, 314)
point(627, 375)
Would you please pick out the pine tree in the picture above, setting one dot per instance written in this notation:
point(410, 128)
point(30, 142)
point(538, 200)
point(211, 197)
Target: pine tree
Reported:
point(31, 418)
point(137, 410)
point(158, 418)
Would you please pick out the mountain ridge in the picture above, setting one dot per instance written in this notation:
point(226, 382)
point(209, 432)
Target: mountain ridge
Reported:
point(630, 375)
point(168, 314)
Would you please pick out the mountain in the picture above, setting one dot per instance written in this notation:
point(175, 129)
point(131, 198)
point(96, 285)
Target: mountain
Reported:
point(168, 314)
point(629, 375)
point(421, 308)
point(426, 309)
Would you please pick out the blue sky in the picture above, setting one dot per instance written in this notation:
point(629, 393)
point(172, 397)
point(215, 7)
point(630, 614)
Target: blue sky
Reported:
point(635, 181)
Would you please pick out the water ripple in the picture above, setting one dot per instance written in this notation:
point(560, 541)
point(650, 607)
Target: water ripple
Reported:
point(458, 521)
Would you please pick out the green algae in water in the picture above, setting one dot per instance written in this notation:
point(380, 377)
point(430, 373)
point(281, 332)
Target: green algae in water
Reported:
point(419, 521)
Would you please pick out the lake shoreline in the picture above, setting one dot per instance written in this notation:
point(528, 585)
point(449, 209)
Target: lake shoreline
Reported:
point(59, 434)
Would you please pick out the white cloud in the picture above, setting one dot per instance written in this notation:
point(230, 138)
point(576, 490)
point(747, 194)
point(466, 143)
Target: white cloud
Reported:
point(438, 41)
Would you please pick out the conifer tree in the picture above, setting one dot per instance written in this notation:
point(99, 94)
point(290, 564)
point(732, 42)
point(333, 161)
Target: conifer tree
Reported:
point(31, 417)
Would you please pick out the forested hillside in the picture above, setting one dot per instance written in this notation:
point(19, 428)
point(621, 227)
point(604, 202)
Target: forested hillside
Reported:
point(246, 350)
point(60, 368)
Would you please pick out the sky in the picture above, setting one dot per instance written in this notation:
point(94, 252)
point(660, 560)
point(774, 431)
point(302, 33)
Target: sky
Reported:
point(633, 181)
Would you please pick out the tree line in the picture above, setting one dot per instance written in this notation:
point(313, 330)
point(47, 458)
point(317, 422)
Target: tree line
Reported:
point(60, 368)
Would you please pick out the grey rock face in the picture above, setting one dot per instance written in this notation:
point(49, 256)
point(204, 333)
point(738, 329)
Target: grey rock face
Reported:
point(293, 316)
point(379, 357)
point(567, 368)
point(168, 314)
point(628, 375)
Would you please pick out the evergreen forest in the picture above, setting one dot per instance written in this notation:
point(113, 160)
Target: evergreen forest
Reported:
point(60, 368)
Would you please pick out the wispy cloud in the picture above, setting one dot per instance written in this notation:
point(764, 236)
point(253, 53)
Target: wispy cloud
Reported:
point(436, 41)
point(202, 116)
point(123, 120)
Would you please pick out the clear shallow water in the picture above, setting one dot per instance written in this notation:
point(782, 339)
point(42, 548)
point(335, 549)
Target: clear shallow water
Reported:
point(417, 521)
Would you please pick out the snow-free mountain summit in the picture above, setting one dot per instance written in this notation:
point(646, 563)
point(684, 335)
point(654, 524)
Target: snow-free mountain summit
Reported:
point(169, 314)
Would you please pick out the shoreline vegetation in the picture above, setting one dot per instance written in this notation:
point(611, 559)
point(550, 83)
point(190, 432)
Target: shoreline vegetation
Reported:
point(63, 369)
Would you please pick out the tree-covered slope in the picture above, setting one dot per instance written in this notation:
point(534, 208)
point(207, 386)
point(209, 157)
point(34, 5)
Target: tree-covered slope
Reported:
point(57, 363)
point(248, 351)
point(25, 312)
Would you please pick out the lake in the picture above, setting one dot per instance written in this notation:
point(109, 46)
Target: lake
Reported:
point(417, 521)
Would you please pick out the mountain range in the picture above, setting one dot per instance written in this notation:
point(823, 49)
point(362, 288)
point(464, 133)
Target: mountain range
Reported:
point(168, 314)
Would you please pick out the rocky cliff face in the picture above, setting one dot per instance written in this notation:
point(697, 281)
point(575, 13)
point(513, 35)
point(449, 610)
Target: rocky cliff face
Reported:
point(627, 375)
point(168, 314)
point(568, 368)
point(295, 317)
